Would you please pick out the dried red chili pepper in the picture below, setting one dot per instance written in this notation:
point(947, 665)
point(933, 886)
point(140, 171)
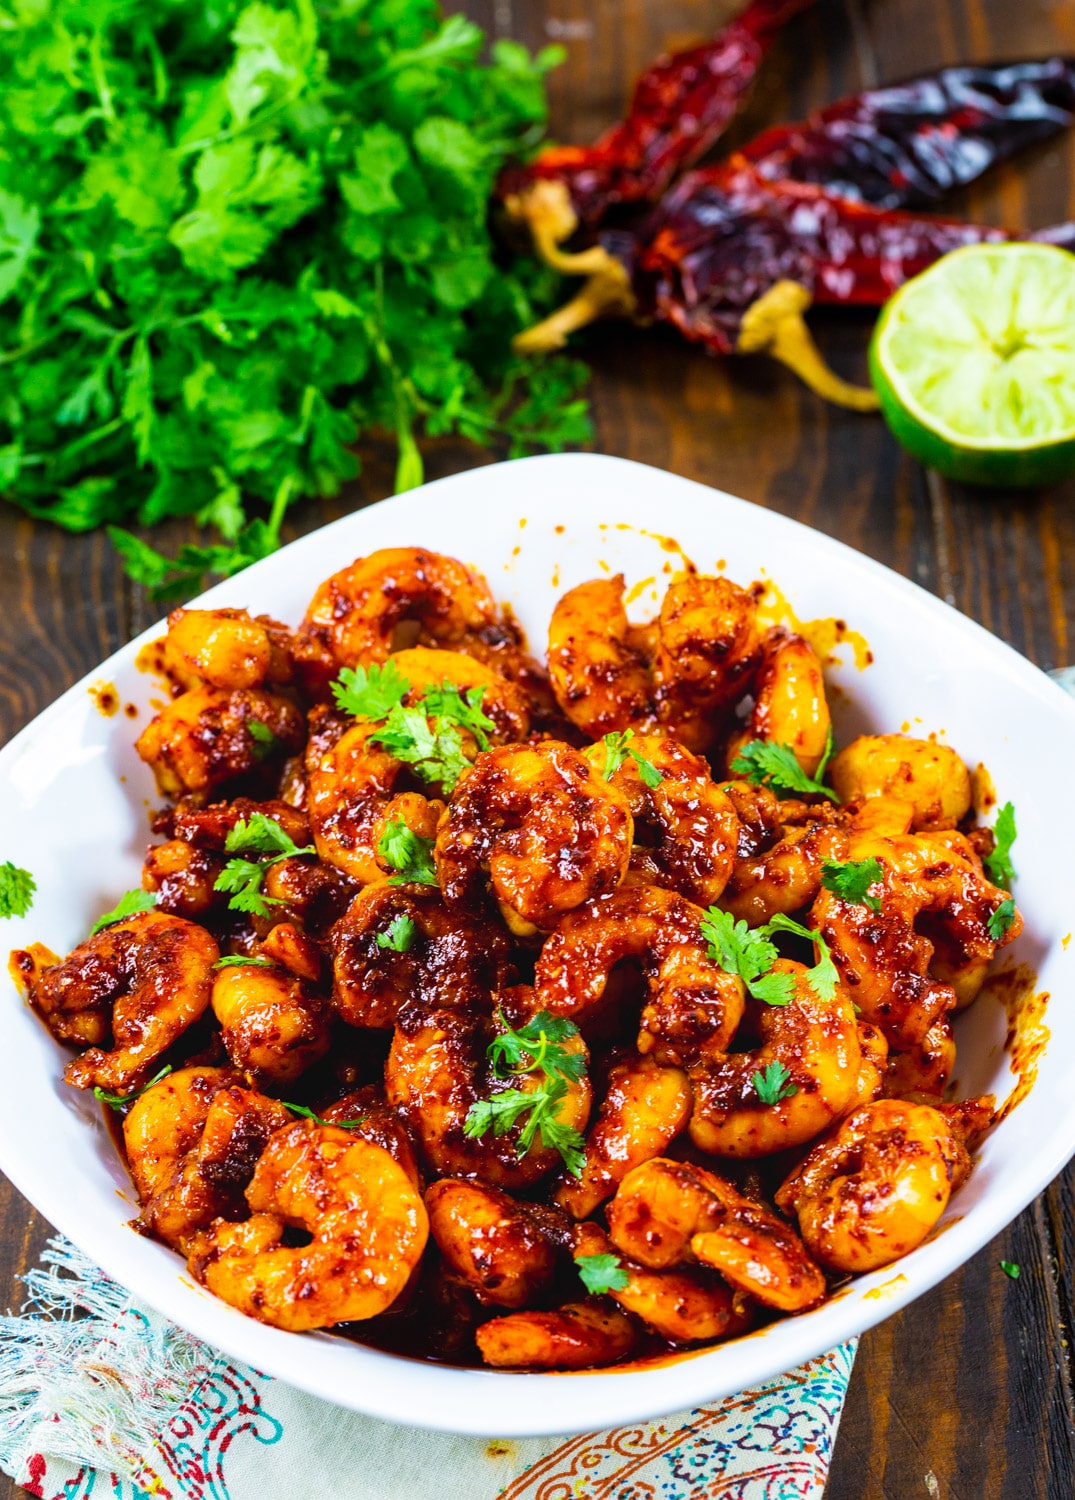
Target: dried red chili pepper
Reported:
point(733, 255)
point(679, 108)
point(733, 261)
point(907, 144)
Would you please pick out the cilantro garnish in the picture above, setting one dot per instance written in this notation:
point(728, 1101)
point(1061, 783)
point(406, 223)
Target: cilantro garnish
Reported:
point(445, 701)
point(601, 1273)
point(851, 881)
point(272, 223)
point(308, 1114)
point(241, 960)
point(1001, 919)
point(534, 1048)
point(823, 977)
point(126, 906)
point(370, 692)
point(262, 835)
point(771, 1083)
point(767, 763)
point(17, 887)
point(618, 748)
point(120, 1101)
point(1010, 1269)
point(399, 935)
point(407, 853)
point(749, 953)
point(746, 952)
point(427, 734)
point(265, 742)
point(998, 865)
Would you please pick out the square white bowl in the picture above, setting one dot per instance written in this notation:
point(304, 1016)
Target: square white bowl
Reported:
point(74, 799)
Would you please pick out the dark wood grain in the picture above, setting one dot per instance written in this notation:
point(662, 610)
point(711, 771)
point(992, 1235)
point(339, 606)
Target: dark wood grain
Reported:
point(968, 1395)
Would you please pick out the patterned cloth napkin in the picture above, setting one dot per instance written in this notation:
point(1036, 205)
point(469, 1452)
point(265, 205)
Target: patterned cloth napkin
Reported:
point(101, 1399)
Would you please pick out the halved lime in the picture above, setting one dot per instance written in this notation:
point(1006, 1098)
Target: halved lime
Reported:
point(974, 364)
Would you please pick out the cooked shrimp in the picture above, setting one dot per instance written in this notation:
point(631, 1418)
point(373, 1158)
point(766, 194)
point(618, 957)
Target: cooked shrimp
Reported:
point(872, 1190)
point(708, 652)
point(272, 1024)
point(203, 739)
point(224, 648)
point(815, 1045)
point(687, 824)
point(929, 777)
point(789, 700)
point(192, 1142)
point(367, 1222)
point(884, 957)
point(693, 1006)
point(786, 876)
point(438, 957)
point(685, 672)
point(645, 1107)
point(668, 1213)
point(437, 1068)
point(138, 983)
point(684, 1304)
point(351, 782)
point(496, 1245)
point(367, 1113)
point(927, 1068)
point(541, 826)
point(599, 679)
point(577, 1336)
point(354, 615)
point(183, 878)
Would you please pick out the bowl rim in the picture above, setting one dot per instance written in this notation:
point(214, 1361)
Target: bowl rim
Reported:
point(485, 1402)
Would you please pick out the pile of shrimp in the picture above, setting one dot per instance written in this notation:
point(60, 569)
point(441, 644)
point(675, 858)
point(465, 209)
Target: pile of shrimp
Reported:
point(297, 1082)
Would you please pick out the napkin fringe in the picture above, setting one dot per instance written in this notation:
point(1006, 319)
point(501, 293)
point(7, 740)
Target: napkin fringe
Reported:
point(84, 1375)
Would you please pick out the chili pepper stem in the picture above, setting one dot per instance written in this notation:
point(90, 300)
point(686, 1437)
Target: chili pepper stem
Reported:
point(545, 207)
point(775, 325)
point(606, 293)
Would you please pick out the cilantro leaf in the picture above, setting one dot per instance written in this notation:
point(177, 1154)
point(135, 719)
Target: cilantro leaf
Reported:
point(407, 853)
point(766, 763)
point(998, 865)
point(601, 1273)
point(308, 1114)
point(370, 692)
point(120, 1101)
point(1010, 1269)
point(533, 1048)
point(747, 953)
point(851, 881)
point(243, 960)
point(445, 701)
point(771, 1083)
point(618, 748)
point(127, 905)
point(242, 878)
point(399, 935)
point(265, 742)
point(17, 887)
point(1001, 920)
point(824, 977)
point(434, 749)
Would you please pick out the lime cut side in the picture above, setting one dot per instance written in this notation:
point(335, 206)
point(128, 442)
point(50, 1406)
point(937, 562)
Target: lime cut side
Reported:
point(974, 364)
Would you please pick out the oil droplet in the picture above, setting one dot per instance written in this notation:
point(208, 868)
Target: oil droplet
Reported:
point(638, 589)
point(131, 710)
point(1025, 1006)
point(105, 697)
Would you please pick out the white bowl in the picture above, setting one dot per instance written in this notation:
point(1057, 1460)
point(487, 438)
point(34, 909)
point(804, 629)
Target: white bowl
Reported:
point(73, 810)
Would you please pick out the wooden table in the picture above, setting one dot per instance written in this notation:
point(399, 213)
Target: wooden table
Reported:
point(968, 1395)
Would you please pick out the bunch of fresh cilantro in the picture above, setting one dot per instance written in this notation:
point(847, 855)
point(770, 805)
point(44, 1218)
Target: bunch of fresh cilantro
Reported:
point(232, 237)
